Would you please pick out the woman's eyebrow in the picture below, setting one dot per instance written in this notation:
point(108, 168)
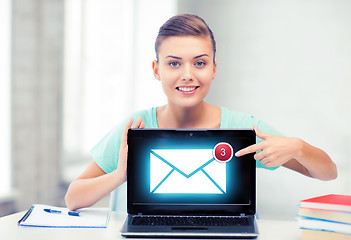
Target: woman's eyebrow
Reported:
point(202, 55)
point(170, 56)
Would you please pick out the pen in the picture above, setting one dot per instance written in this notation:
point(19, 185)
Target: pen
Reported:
point(71, 213)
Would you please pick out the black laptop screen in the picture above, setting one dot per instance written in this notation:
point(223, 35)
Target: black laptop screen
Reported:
point(190, 171)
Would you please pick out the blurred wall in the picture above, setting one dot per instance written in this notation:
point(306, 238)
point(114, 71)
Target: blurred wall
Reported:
point(287, 63)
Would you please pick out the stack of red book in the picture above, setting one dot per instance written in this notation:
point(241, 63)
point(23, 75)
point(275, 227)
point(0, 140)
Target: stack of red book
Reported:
point(325, 217)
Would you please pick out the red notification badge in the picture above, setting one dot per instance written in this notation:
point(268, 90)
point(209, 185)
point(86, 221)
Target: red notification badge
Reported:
point(223, 152)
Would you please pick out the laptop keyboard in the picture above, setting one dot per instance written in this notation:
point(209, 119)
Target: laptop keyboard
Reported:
point(190, 221)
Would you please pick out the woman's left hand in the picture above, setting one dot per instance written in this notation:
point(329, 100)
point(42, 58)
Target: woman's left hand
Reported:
point(273, 150)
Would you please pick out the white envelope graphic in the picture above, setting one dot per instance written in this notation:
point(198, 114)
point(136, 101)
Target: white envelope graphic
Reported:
point(186, 171)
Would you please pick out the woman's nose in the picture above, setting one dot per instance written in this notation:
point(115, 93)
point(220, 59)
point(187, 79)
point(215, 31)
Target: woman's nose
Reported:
point(187, 73)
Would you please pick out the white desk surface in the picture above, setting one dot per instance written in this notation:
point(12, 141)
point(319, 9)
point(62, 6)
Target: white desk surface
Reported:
point(268, 230)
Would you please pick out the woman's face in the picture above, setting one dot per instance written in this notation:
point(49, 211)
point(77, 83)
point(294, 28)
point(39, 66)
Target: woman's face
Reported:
point(185, 69)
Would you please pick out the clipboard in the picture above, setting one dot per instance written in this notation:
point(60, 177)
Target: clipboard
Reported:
point(36, 216)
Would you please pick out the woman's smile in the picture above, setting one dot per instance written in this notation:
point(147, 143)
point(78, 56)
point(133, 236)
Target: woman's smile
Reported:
point(187, 90)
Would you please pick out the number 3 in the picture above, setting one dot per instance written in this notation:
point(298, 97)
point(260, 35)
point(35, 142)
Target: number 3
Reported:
point(223, 152)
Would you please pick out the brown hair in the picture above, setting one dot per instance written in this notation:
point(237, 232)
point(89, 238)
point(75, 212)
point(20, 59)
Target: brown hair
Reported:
point(184, 25)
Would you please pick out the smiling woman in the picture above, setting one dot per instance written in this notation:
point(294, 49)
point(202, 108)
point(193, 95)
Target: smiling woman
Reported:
point(186, 67)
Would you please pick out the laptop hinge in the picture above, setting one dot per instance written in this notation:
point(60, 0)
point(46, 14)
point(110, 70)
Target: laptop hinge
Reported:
point(242, 214)
point(140, 214)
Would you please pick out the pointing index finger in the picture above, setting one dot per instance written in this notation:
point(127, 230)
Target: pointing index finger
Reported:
point(250, 149)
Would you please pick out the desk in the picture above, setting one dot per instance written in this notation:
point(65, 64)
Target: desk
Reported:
point(268, 229)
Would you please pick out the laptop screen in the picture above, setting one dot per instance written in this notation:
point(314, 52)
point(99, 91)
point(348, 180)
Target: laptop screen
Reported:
point(190, 171)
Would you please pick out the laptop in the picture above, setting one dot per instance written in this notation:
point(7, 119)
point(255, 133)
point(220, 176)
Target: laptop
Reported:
point(188, 183)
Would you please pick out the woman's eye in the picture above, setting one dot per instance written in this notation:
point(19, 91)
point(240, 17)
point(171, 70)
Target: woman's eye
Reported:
point(200, 64)
point(174, 64)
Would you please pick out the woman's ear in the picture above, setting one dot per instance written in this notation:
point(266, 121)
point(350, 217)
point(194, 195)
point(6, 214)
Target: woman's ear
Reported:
point(214, 70)
point(155, 70)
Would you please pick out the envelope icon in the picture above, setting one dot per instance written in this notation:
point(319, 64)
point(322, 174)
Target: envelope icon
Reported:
point(186, 171)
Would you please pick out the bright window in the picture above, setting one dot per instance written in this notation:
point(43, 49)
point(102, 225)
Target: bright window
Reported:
point(108, 54)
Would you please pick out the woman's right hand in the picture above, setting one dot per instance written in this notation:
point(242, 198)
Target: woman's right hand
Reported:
point(93, 184)
point(121, 170)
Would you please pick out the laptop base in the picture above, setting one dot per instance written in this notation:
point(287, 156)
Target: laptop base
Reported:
point(233, 232)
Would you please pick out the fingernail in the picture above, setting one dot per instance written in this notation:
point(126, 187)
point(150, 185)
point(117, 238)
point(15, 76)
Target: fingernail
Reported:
point(237, 154)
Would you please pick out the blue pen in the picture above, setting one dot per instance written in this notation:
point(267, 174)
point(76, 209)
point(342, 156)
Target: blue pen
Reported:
point(71, 213)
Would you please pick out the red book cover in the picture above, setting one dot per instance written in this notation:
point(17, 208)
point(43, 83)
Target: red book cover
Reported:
point(332, 202)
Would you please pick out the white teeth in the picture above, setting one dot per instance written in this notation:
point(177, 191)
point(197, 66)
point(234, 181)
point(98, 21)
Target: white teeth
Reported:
point(186, 89)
